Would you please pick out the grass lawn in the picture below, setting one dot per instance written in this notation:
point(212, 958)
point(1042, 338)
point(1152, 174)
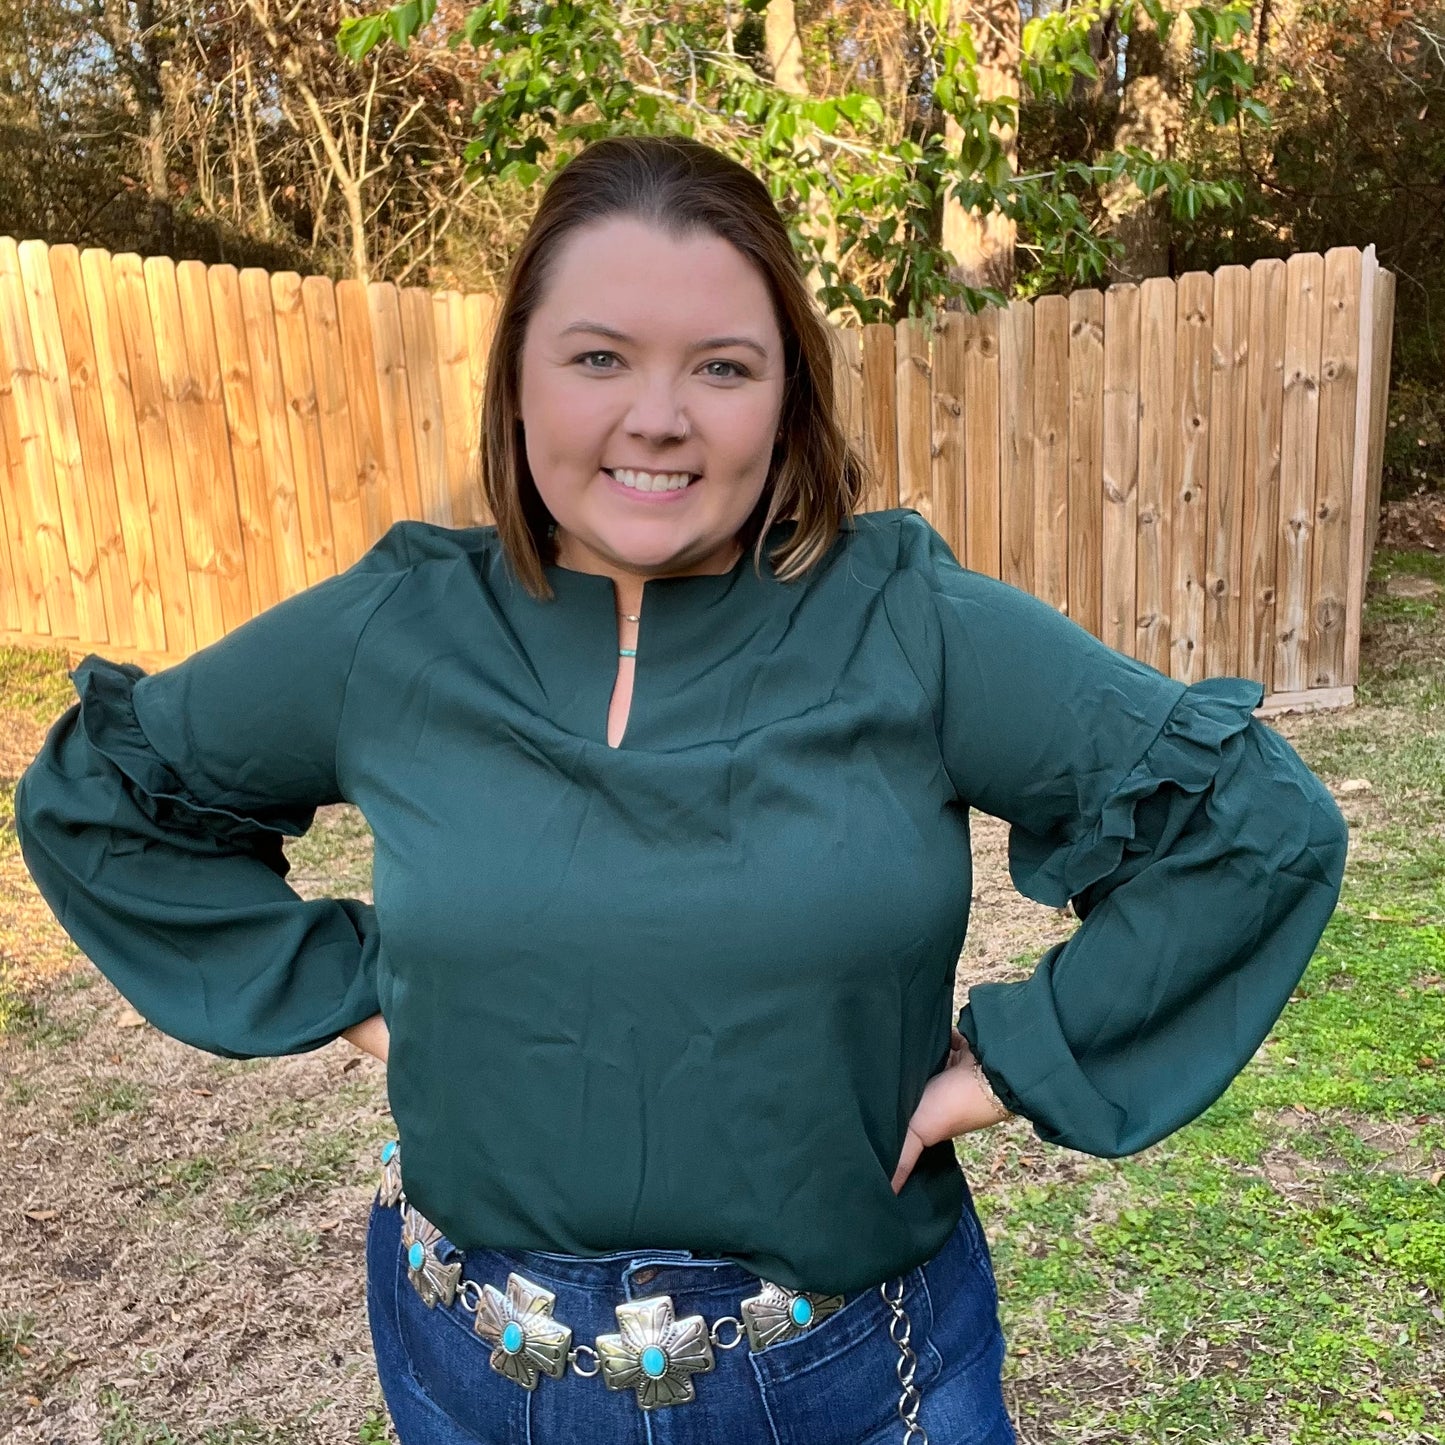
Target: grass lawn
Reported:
point(1276, 1270)
point(183, 1252)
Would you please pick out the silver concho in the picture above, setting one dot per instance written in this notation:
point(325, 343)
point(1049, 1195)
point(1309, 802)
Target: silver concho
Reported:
point(390, 1190)
point(519, 1323)
point(655, 1353)
point(776, 1313)
point(434, 1281)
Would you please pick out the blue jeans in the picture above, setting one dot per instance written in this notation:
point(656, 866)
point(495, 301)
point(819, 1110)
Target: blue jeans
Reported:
point(835, 1384)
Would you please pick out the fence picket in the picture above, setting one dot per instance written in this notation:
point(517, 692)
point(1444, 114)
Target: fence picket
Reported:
point(1263, 422)
point(263, 349)
point(1154, 556)
point(1224, 505)
point(949, 426)
point(1120, 468)
point(1016, 440)
point(81, 412)
point(1334, 466)
point(36, 499)
point(1304, 316)
point(1051, 450)
point(1086, 431)
point(1193, 363)
point(914, 383)
point(229, 317)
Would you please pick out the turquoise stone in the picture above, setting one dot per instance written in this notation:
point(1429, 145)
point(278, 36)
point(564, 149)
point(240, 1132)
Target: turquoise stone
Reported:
point(654, 1362)
point(513, 1338)
point(387, 1151)
point(802, 1311)
point(416, 1255)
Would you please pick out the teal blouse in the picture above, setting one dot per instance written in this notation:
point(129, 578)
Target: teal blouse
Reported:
point(686, 992)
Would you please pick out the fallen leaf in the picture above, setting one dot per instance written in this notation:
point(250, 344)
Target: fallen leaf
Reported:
point(1355, 785)
point(328, 1226)
point(1435, 1178)
point(203, 1093)
point(42, 1214)
point(128, 1018)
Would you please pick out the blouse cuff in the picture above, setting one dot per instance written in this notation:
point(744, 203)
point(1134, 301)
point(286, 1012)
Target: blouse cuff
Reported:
point(1185, 754)
point(108, 718)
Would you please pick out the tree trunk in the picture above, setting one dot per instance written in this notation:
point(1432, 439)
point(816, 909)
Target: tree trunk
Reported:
point(785, 56)
point(1151, 116)
point(151, 95)
point(982, 246)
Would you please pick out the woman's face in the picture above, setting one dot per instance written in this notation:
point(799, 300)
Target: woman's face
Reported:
point(659, 356)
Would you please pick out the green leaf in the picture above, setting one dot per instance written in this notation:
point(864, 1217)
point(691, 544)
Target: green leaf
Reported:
point(359, 34)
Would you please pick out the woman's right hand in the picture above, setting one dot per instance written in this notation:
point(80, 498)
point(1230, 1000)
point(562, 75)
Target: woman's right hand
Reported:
point(371, 1036)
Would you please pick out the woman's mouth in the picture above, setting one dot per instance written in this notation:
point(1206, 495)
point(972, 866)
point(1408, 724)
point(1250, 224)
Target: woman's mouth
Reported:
point(650, 486)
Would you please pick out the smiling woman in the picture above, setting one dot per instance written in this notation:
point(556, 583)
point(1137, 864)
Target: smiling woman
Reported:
point(672, 869)
point(670, 404)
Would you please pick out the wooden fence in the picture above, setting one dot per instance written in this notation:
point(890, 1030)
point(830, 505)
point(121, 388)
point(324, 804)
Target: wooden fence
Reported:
point(1188, 468)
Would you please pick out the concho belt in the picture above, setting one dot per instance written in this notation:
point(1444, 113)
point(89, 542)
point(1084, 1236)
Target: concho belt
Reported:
point(654, 1353)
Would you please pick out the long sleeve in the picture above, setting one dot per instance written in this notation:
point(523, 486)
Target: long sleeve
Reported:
point(1201, 854)
point(152, 821)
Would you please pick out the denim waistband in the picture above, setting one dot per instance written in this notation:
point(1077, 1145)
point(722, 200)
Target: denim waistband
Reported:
point(681, 1273)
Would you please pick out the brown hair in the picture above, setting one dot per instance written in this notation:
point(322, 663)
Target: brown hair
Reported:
point(681, 186)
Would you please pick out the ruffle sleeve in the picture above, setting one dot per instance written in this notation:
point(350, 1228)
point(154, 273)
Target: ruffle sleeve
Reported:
point(153, 817)
point(1201, 854)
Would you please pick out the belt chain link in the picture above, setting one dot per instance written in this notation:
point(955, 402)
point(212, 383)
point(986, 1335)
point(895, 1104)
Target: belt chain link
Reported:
point(443, 1280)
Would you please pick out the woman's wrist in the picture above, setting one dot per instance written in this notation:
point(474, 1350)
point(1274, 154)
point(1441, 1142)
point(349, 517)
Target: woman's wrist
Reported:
point(1001, 1109)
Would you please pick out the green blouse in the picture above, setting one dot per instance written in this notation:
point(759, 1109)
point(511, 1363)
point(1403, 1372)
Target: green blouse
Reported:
point(686, 992)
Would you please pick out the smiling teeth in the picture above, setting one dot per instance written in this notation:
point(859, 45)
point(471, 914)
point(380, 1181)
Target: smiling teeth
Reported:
point(653, 482)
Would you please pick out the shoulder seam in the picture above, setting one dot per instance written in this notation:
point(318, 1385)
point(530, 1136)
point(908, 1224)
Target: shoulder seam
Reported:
point(400, 576)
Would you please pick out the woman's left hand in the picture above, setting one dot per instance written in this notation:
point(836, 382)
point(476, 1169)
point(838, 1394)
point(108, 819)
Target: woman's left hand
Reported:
point(953, 1103)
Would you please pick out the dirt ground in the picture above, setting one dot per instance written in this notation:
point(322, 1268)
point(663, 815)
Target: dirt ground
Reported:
point(124, 1253)
point(183, 1236)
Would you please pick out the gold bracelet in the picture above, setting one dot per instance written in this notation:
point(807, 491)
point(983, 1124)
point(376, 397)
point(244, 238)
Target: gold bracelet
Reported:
point(1003, 1110)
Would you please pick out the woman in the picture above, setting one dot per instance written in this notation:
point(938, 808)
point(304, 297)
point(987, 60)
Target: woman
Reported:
point(669, 776)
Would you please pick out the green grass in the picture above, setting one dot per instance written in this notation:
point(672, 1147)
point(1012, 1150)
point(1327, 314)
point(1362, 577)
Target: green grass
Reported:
point(17, 1334)
point(1276, 1269)
point(36, 681)
point(104, 1098)
point(1273, 1272)
point(9, 839)
point(282, 1162)
point(122, 1427)
point(32, 1021)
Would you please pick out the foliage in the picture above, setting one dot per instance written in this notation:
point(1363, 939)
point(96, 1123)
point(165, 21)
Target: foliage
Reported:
point(563, 74)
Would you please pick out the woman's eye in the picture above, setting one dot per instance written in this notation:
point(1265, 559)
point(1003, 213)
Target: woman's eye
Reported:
point(738, 369)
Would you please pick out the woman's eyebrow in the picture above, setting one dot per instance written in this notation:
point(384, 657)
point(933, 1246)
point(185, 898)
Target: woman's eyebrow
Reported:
point(597, 328)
